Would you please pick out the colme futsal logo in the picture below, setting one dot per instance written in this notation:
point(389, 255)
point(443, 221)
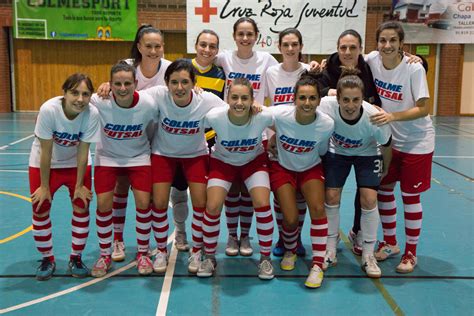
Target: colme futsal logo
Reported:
point(283, 95)
point(296, 146)
point(123, 132)
point(345, 142)
point(389, 91)
point(65, 139)
point(240, 145)
point(253, 78)
point(180, 127)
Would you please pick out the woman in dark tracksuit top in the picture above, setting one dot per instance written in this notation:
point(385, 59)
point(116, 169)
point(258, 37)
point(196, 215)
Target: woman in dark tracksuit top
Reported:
point(349, 54)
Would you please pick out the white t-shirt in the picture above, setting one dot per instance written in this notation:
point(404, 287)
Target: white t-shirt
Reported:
point(180, 132)
point(281, 84)
point(300, 146)
point(237, 144)
point(399, 89)
point(157, 80)
point(253, 69)
point(66, 134)
point(360, 139)
point(123, 137)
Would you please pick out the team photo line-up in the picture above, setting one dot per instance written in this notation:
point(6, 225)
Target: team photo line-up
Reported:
point(231, 127)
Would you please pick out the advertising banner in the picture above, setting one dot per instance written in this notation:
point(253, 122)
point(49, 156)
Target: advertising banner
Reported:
point(319, 21)
point(436, 21)
point(112, 20)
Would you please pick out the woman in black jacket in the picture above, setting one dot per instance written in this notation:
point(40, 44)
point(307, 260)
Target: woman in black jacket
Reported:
point(349, 54)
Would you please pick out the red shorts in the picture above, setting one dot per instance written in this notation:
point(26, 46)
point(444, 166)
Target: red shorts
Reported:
point(280, 176)
point(57, 178)
point(412, 170)
point(105, 178)
point(230, 173)
point(195, 169)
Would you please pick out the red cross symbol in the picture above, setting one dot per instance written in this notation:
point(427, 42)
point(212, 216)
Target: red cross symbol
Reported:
point(206, 11)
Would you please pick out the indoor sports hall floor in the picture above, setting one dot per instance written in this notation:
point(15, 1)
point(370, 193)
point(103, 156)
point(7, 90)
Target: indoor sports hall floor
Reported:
point(442, 284)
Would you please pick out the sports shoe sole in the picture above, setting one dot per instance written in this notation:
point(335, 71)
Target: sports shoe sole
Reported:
point(118, 259)
point(231, 253)
point(373, 276)
point(39, 278)
point(312, 285)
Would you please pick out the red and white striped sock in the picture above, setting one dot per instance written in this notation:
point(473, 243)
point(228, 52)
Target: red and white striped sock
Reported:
point(42, 235)
point(413, 219)
point(388, 215)
point(80, 232)
point(103, 221)
point(278, 218)
point(119, 210)
point(245, 214)
point(319, 237)
point(232, 204)
point(211, 229)
point(160, 227)
point(264, 218)
point(143, 229)
point(198, 216)
point(290, 238)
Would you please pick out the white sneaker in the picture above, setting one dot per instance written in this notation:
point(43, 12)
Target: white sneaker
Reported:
point(194, 261)
point(315, 277)
point(369, 265)
point(407, 264)
point(265, 269)
point(232, 248)
point(180, 241)
point(161, 262)
point(245, 247)
point(144, 265)
point(118, 253)
point(207, 267)
point(385, 251)
point(330, 259)
point(288, 261)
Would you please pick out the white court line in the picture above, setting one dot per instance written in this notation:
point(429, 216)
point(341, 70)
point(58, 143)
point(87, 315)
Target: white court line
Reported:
point(78, 287)
point(455, 157)
point(18, 141)
point(458, 135)
point(166, 288)
point(14, 171)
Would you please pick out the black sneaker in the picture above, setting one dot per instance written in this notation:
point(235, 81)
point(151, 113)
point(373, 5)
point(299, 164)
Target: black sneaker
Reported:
point(45, 270)
point(77, 268)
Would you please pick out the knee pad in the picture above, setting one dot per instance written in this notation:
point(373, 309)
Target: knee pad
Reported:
point(178, 196)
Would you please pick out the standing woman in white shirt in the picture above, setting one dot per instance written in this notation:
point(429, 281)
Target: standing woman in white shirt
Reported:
point(403, 89)
point(147, 56)
point(281, 81)
point(247, 63)
point(302, 135)
point(124, 150)
point(238, 155)
point(64, 129)
point(179, 141)
point(359, 143)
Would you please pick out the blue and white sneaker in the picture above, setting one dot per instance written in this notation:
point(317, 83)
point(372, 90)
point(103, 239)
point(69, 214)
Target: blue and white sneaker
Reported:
point(45, 270)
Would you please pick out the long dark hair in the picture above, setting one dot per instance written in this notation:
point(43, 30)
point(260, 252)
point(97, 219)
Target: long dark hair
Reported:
point(142, 30)
point(310, 78)
point(291, 30)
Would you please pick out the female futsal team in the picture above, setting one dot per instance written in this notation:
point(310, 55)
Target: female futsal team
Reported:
point(163, 128)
